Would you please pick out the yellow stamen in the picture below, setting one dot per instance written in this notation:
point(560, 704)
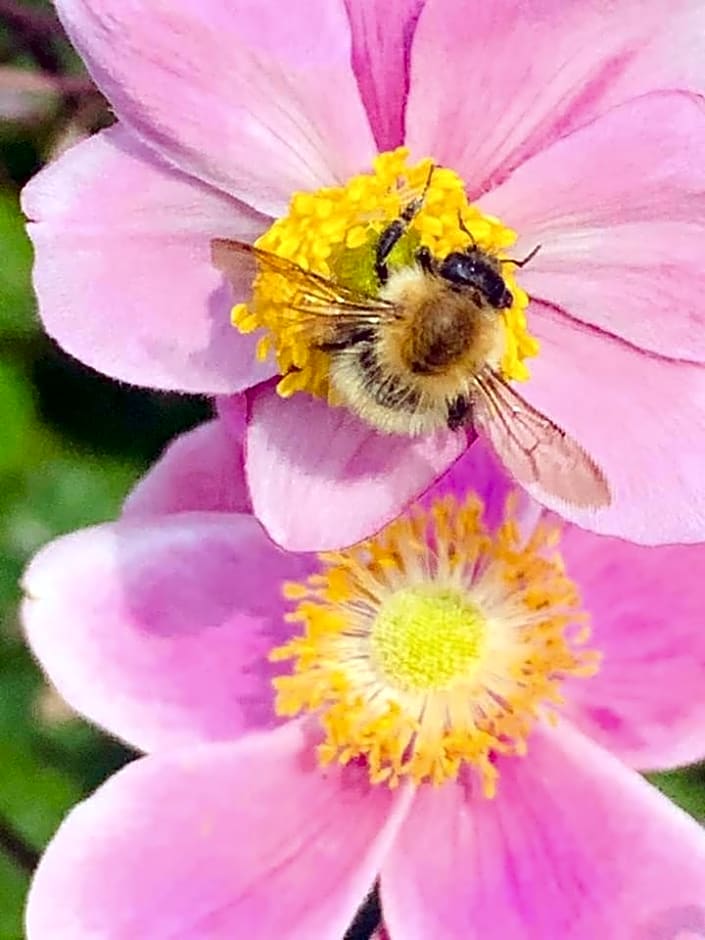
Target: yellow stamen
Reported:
point(334, 231)
point(437, 644)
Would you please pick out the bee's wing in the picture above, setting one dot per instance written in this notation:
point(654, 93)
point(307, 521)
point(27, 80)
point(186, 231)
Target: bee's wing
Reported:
point(534, 449)
point(329, 311)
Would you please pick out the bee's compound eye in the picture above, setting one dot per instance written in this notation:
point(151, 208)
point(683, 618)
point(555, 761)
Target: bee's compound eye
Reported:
point(496, 291)
point(507, 299)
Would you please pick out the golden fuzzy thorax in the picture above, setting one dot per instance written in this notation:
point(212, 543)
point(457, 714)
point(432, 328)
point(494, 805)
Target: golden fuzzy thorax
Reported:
point(450, 333)
point(439, 340)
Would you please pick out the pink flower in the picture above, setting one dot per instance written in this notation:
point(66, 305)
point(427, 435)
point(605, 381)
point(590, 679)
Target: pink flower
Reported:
point(575, 122)
point(160, 628)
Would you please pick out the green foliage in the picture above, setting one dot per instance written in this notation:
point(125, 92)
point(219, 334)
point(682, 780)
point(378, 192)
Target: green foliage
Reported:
point(16, 304)
point(685, 787)
point(13, 887)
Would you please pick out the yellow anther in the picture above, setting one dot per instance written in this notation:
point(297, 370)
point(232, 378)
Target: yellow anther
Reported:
point(334, 232)
point(435, 645)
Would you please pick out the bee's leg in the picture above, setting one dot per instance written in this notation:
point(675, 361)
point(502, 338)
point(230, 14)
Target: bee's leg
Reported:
point(458, 412)
point(387, 240)
point(394, 231)
point(348, 339)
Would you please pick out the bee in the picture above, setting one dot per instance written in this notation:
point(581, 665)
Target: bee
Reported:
point(424, 352)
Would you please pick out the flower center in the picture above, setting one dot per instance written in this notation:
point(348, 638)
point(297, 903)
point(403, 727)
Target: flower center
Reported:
point(334, 232)
point(435, 645)
point(425, 636)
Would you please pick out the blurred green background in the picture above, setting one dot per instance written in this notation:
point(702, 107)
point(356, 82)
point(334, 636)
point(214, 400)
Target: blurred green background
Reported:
point(71, 445)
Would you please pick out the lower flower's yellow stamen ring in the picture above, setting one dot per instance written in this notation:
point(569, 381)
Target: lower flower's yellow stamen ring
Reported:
point(435, 645)
point(334, 232)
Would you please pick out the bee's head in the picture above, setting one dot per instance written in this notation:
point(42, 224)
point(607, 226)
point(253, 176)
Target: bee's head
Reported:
point(477, 270)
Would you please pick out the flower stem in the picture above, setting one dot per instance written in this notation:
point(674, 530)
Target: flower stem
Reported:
point(367, 919)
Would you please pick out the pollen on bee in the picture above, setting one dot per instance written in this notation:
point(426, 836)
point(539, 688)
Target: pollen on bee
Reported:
point(334, 231)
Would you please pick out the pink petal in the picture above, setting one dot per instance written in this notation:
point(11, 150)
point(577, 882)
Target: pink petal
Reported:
point(575, 846)
point(202, 470)
point(478, 471)
point(258, 99)
point(642, 419)
point(381, 40)
point(232, 409)
point(646, 703)
point(220, 842)
point(320, 479)
point(160, 630)
point(622, 228)
point(492, 87)
point(123, 270)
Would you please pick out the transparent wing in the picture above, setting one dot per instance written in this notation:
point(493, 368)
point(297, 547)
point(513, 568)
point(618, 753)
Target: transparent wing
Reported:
point(534, 449)
point(326, 309)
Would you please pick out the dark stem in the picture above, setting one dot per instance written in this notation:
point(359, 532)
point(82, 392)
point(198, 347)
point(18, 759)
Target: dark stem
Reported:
point(14, 846)
point(367, 919)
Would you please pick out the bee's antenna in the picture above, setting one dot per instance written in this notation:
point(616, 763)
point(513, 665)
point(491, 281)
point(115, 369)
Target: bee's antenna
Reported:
point(464, 228)
point(520, 264)
point(414, 207)
point(431, 171)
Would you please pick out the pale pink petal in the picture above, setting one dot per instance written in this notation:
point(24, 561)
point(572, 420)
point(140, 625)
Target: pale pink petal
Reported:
point(574, 846)
point(258, 99)
point(646, 607)
point(123, 271)
point(160, 630)
point(493, 85)
point(201, 470)
point(321, 479)
point(216, 843)
point(642, 419)
point(381, 42)
point(621, 233)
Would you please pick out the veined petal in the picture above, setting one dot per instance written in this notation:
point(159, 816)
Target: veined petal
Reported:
point(618, 209)
point(479, 471)
point(493, 86)
point(646, 701)
point(642, 419)
point(575, 845)
point(321, 479)
point(258, 99)
point(381, 42)
point(159, 630)
point(202, 470)
point(123, 269)
point(246, 840)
